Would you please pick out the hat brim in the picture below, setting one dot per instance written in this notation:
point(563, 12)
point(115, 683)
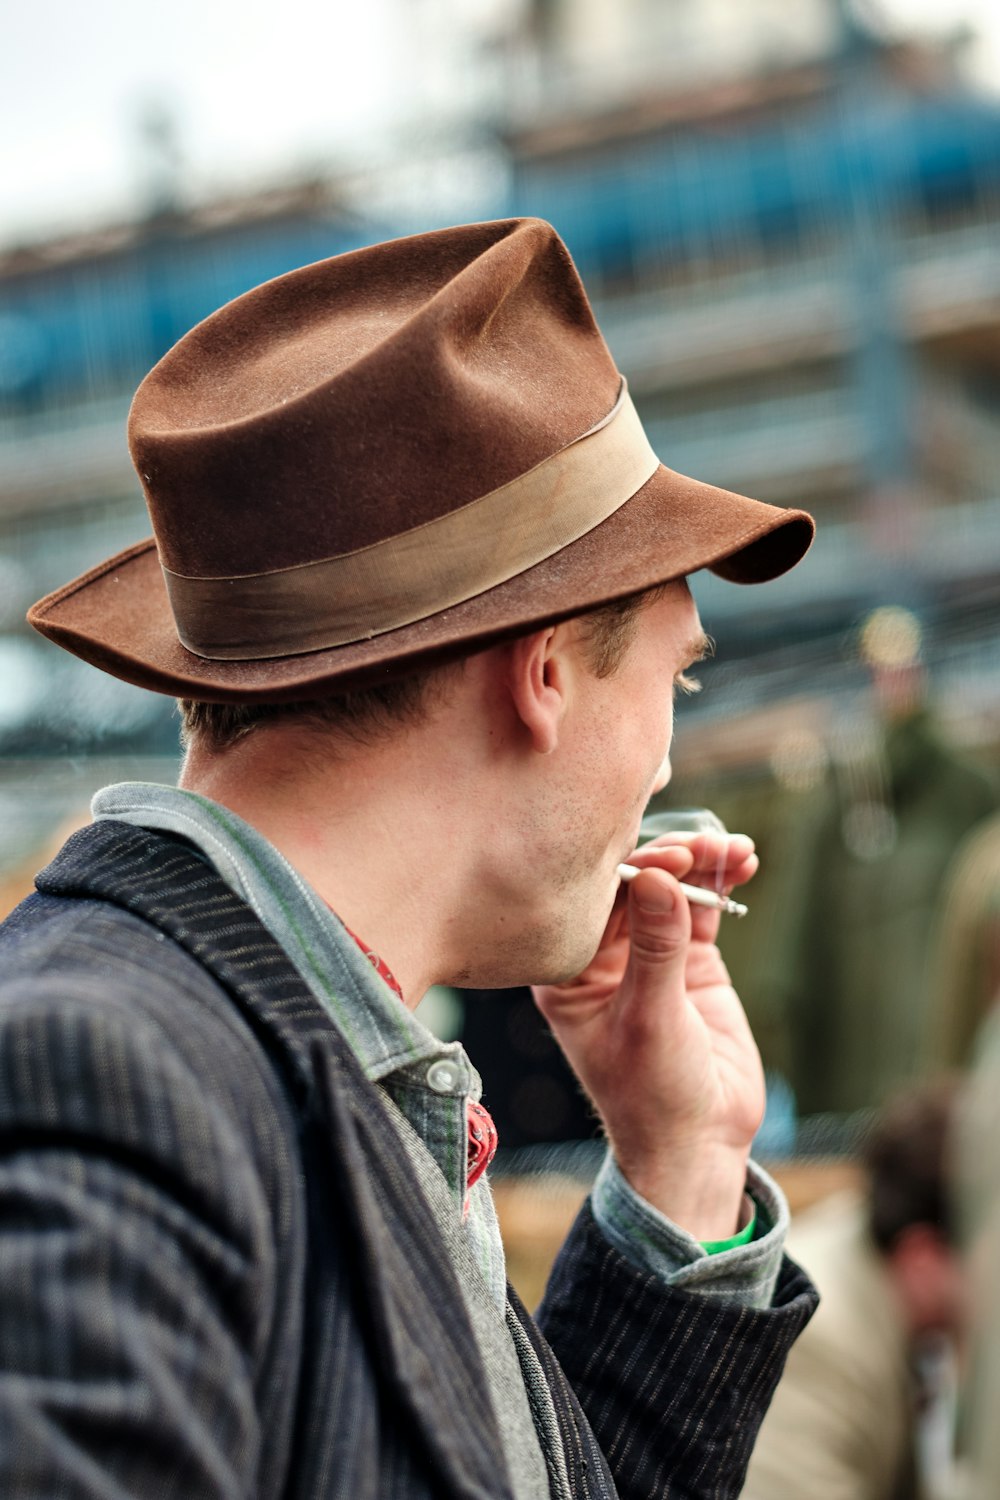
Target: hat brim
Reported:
point(117, 616)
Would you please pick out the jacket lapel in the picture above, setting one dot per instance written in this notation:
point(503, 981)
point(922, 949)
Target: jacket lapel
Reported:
point(586, 1466)
point(419, 1330)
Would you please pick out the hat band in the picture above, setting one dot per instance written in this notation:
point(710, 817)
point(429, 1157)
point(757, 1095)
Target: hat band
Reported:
point(405, 578)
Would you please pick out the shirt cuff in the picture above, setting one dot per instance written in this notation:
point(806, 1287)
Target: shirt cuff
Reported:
point(746, 1273)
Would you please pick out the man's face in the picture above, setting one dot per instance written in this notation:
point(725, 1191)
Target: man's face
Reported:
point(581, 818)
point(620, 754)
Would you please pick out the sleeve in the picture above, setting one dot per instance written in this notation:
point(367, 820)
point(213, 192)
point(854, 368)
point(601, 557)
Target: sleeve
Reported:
point(137, 1266)
point(652, 1242)
point(831, 1431)
point(674, 1384)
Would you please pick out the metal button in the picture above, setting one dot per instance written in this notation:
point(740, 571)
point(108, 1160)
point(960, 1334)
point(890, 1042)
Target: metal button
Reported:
point(444, 1077)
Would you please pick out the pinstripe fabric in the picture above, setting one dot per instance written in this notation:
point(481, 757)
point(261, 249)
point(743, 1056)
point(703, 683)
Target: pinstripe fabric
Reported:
point(587, 1468)
point(211, 1283)
point(396, 1050)
point(674, 1392)
point(389, 1041)
point(145, 1205)
point(126, 1081)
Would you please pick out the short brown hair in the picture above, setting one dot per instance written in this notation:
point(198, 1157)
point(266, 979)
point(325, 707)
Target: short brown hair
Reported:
point(907, 1155)
point(362, 714)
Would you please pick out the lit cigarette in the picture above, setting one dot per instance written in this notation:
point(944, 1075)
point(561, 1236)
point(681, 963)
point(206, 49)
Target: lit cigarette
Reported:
point(696, 894)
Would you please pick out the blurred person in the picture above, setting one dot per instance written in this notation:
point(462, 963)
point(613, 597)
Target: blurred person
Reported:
point(844, 1421)
point(979, 1197)
point(886, 828)
point(418, 582)
point(964, 1027)
point(965, 949)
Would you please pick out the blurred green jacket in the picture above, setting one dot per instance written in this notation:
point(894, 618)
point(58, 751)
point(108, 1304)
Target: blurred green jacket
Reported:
point(856, 962)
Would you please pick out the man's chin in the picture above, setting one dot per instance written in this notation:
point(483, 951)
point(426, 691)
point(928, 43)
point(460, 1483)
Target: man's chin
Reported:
point(564, 968)
point(540, 962)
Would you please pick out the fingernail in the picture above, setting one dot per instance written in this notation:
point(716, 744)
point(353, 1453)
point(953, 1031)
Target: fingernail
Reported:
point(659, 902)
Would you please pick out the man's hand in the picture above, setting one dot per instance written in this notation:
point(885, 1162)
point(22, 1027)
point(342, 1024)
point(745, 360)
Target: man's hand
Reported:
point(657, 1036)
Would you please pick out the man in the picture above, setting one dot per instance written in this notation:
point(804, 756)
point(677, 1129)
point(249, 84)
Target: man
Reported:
point(844, 1419)
point(978, 1130)
point(419, 583)
point(879, 837)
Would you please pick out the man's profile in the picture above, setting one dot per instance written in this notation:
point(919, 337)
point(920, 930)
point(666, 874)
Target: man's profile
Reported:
point(418, 582)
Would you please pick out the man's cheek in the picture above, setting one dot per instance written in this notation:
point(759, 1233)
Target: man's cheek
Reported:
point(664, 774)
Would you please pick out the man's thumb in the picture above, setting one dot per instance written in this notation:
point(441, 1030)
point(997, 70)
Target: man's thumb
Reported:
point(659, 928)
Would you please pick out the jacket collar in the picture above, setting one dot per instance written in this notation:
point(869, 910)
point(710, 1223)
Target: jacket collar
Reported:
point(398, 1256)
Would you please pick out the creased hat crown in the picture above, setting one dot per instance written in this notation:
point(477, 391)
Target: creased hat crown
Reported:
point(411, 450)
point(365, 395)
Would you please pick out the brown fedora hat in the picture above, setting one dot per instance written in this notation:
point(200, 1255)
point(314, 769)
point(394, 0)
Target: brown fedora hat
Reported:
point(402, 453)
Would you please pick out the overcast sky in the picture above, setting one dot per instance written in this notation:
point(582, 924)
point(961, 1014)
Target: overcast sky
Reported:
point(257, 86)
point(251, 93)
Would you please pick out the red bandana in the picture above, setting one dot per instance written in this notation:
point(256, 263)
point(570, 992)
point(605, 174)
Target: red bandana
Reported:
point(483, 1139)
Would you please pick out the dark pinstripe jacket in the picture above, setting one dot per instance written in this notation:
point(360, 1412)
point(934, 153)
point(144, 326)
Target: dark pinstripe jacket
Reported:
point(217, 1278)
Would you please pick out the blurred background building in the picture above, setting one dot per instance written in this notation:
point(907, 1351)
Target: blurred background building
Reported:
point(786, 215)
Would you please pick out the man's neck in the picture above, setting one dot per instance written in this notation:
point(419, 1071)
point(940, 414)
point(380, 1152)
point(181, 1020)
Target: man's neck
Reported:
point(371, 829)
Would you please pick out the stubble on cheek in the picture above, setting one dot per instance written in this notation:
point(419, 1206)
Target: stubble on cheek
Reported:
point(552, 951)
point(564, 930)
point(550, 933)
point(548, 924)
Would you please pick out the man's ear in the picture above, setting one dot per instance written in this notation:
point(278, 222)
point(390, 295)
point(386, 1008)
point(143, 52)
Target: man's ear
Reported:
point(538, 680)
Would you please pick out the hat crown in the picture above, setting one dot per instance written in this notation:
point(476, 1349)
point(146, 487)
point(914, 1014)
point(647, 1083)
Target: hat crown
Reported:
point(366, 395)
point(408, 452)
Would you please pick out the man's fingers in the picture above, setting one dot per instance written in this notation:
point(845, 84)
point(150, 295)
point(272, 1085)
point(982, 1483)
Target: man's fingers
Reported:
point(718, 861)
point(659, 933)
point(677, 858)
point(722, 850)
